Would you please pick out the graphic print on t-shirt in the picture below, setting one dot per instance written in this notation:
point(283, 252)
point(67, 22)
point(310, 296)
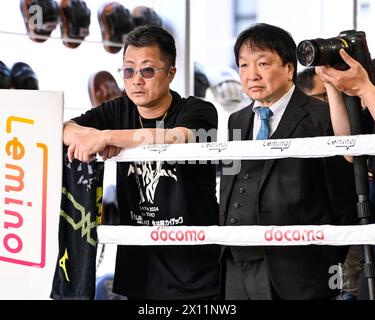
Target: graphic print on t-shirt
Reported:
point(147, 176)
point(150, 173)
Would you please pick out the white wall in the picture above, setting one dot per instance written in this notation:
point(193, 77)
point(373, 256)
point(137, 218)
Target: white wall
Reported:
point(212, 39)
point(308, 18)
point(213, 29)
point(65, 69)
point(212, 32)
point(366, 22)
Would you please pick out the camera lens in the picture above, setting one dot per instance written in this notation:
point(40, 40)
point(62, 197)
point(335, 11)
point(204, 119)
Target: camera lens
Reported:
point(319, 52)
point(307, 53)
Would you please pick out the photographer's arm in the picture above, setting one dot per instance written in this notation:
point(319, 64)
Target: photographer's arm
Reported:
point(337, 109)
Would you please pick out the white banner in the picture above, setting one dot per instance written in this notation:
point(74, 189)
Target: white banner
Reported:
point(251, 150)
point(239, 235)
point(30, 189)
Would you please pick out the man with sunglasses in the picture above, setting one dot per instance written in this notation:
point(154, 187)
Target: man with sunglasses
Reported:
point(155, 193)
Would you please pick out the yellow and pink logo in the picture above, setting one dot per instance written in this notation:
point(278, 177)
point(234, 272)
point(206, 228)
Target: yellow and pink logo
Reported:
point(23, 202)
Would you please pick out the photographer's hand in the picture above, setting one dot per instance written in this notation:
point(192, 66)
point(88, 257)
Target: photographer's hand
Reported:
point(353, 82)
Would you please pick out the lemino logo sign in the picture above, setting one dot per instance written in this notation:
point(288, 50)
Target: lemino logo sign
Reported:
point(23, 193)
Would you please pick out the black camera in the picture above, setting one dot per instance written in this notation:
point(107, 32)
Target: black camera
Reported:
point(318, 52)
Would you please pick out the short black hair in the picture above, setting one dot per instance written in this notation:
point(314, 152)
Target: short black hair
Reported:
point(305, 78)
point(268, 37)
point(149, 35)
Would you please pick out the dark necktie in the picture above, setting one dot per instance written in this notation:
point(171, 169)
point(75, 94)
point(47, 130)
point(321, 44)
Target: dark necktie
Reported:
point(265, 113)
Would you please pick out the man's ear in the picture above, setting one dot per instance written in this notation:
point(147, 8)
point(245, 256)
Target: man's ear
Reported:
point(171, 73)
point(290, 67)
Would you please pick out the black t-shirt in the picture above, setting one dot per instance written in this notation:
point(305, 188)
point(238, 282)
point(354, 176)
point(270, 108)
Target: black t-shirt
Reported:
point(155, 193)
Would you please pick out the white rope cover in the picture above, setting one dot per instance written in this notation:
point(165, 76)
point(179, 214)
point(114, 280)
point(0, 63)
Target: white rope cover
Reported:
point(251, 150)
point(238, 235)
point(245, 235)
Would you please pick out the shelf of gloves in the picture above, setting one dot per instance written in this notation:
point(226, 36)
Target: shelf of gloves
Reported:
point(20, 76)
point(41, 17)
point(44, 38)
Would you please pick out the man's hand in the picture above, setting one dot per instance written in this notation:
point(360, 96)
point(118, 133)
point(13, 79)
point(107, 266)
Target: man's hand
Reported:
point(86, 144)
point(109, 152)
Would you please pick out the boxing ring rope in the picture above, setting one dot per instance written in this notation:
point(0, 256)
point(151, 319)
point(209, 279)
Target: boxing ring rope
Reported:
point(238, 235)
point(317, 147)
point(169, 234)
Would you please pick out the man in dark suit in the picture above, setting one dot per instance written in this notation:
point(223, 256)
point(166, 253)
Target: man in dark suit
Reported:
point(288, 191)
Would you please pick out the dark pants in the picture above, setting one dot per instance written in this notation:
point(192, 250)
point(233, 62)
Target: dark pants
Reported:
point(247, 280)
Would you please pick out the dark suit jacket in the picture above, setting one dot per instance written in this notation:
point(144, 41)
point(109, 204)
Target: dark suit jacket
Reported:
point(297, 191)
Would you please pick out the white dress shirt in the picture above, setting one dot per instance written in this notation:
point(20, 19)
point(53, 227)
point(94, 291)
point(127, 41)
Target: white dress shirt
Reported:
point(277, 109)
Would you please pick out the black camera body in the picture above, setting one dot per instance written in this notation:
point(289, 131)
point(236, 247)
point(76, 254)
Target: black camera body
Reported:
point(318, 52)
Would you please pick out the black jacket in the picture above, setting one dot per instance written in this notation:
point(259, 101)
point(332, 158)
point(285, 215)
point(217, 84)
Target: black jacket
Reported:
point(294, 191)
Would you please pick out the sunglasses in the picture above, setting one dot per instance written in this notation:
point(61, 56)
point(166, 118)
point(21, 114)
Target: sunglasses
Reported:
point(146, 72)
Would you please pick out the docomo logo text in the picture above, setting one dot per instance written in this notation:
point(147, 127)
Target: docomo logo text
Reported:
point(275, 234)
point(167, 234)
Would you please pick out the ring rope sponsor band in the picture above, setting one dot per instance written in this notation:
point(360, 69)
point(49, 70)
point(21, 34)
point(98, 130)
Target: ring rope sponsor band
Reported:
point(316, 147)
point(245, 235)
point(238, 235)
